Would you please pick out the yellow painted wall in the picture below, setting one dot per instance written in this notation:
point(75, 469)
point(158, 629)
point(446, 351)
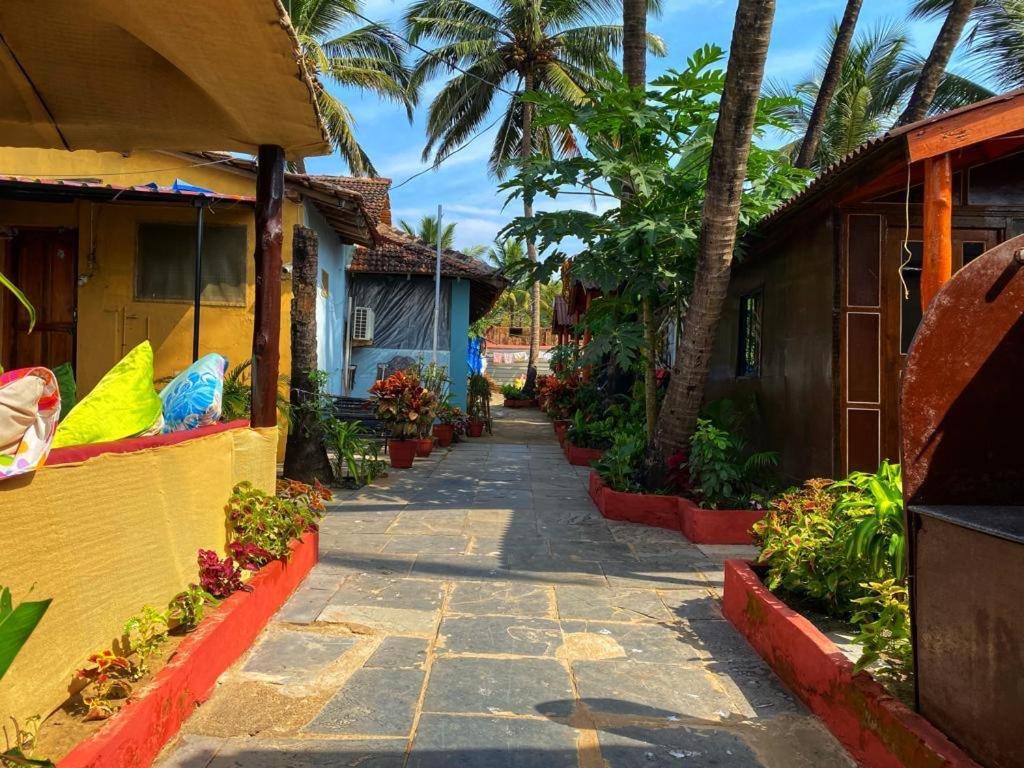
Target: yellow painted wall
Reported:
point(104, 538)
point(110, 320)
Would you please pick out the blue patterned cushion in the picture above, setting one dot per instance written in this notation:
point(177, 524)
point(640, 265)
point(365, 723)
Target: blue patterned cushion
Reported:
point(193, 398)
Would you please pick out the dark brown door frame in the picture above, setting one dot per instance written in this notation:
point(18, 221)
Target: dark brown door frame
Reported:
point(10, 315)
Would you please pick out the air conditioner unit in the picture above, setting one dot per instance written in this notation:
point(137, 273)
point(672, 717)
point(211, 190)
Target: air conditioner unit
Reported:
point(362, 325)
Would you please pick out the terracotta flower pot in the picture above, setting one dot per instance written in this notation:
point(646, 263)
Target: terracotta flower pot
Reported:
point(581, 457)
point(475, 428)
point(401, 453)
point(424, 446)
point(444, 433)
point(561, 429)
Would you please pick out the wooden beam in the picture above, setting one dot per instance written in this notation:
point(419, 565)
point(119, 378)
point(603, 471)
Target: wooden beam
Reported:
point(937, 262)
point(266, 332)
point(971, 125)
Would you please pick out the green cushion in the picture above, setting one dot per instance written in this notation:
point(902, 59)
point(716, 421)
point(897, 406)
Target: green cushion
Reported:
point(65, 376)
point(123, 404)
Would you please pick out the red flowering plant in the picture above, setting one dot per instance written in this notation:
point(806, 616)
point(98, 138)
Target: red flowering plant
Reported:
point(218, 577)
point(403, 404)
point(558, 396)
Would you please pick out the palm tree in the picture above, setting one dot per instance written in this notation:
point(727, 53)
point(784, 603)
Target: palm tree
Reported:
point(554, 46)
point(878, 74)
point(829, 84)
point(719, 220)
point(368, 57)
point(426, 231)
point(994, 39)
point(935, 66)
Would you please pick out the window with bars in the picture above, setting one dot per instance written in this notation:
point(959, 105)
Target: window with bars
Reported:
point(165, 264)
point(748, 363)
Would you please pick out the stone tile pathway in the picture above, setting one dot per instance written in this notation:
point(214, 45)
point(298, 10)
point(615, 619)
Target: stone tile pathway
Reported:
point(477, 612)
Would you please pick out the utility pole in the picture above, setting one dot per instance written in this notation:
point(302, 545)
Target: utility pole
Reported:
point(437, 287)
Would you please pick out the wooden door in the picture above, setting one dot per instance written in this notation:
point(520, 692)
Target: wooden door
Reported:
point(44, 264)
point(902, 300)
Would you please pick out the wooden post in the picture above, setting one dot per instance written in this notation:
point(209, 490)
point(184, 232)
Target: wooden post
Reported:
point(937, 263)
point(266, 332)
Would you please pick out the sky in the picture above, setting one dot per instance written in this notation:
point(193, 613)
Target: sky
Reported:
point(462, 185)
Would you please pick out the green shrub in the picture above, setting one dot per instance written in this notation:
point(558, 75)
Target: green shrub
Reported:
point(622, 466)
point(876, 501)
point(512, 392)
point(719, 471)
point(840, 546)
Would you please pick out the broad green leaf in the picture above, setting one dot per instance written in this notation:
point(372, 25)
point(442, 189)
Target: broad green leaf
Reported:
point(15, 628)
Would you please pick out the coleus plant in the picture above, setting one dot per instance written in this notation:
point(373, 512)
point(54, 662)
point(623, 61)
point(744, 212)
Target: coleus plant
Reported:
point(404, 404)
point(218, 577)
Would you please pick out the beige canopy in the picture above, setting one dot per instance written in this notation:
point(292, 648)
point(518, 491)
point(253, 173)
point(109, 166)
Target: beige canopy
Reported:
point(128, 75)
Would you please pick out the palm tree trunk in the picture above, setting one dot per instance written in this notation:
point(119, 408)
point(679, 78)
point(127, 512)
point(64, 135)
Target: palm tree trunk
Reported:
point(829, 83)
point(935, 66)
point(634, 42)
point(724, 190)
point(526, 150)
point(305, 457)
point(300, 166)
point(634, 64)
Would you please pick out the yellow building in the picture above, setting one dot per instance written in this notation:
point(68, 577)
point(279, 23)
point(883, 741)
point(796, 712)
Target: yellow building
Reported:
point(109, 262)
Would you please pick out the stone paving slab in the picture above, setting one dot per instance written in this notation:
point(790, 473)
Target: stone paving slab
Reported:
point(628, 605)
point(637, 747)
point(399, 653)
point(501, 598)
point(497, 686)
point(374, 702)
point(478, 611)
point(295, 657)
point(651, 691)
point(448, 741)
point(500, 635)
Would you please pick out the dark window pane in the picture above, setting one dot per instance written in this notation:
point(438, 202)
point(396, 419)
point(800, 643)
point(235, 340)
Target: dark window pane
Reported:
point(971, 251)
point(165, 269)
point(863, 254)
point(911, 307)
point(749, 357)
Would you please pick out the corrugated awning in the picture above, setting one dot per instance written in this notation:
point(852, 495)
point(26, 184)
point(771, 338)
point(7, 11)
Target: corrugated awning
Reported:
point(114, 75)
point(22, 188)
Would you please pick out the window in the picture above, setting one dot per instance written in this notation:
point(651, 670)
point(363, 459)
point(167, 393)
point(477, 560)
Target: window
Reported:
point(749, 357)
point(910, 309)
point(165, 267)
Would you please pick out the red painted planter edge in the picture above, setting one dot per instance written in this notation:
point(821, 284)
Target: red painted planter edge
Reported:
point(519, 403)
point(717, 526)
point(134, 736)
point(874, 726)
point(580, 457)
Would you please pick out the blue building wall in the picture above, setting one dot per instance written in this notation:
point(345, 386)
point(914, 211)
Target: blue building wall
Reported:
point(458, 368)
point(366, 359)
point(331, 309)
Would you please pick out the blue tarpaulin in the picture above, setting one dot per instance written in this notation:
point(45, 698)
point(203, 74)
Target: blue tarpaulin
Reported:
point(475, 356)
point(180, 186)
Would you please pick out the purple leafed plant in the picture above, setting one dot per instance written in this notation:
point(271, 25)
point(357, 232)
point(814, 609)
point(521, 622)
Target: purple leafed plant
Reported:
point(218, 577)
point(251, 557)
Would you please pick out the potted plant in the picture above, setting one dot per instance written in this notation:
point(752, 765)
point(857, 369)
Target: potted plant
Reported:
point(449, 418)
point(514, 396)
point(403, 405)
point(478, 404)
